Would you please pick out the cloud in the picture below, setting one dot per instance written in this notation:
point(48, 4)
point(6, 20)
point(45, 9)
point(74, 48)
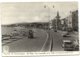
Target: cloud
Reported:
point(34, 12)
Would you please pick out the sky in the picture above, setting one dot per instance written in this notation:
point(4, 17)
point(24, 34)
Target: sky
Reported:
point(19, 12)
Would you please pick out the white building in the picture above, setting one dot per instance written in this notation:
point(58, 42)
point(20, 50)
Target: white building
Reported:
point(69, 22)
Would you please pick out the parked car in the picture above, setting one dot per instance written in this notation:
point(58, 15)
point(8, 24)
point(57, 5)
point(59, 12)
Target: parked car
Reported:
point(68, 45)
point(55, 30)
point(66, 35)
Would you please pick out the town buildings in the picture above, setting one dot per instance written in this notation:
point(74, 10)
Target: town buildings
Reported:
point(68, 23)
point(56, 22)
point(75, 20)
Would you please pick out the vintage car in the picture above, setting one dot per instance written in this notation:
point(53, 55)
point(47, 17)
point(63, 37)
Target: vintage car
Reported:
point(70, 45)
point(30, 34)
point(66, 35)
point(67, 45)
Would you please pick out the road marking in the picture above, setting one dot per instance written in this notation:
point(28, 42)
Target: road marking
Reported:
point(45, 41)
point(50, 47)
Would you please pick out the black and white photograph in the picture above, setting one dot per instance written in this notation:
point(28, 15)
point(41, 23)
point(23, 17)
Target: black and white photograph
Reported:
point(39, 26)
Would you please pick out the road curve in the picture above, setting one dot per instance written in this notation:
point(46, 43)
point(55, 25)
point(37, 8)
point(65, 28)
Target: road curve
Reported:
point(29, 45)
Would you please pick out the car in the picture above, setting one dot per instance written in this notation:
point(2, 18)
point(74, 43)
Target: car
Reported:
point(30, 34)
point(66, 35)
point(55, 30)
point(68, 45)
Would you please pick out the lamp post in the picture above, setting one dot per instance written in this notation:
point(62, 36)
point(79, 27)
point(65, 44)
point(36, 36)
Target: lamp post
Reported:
point(50, 23)
point(51, 42)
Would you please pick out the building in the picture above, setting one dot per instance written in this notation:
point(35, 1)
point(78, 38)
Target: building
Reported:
point(64, 24)
point(56, 23)
point(70, 22)
point(75, 20)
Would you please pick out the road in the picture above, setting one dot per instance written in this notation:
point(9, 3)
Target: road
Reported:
point(27, 45)
point(57, 41)
point(44, 40)
point(54, 42)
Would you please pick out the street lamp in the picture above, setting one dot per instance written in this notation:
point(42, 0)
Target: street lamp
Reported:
point(51, 45)
point(50, 23)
